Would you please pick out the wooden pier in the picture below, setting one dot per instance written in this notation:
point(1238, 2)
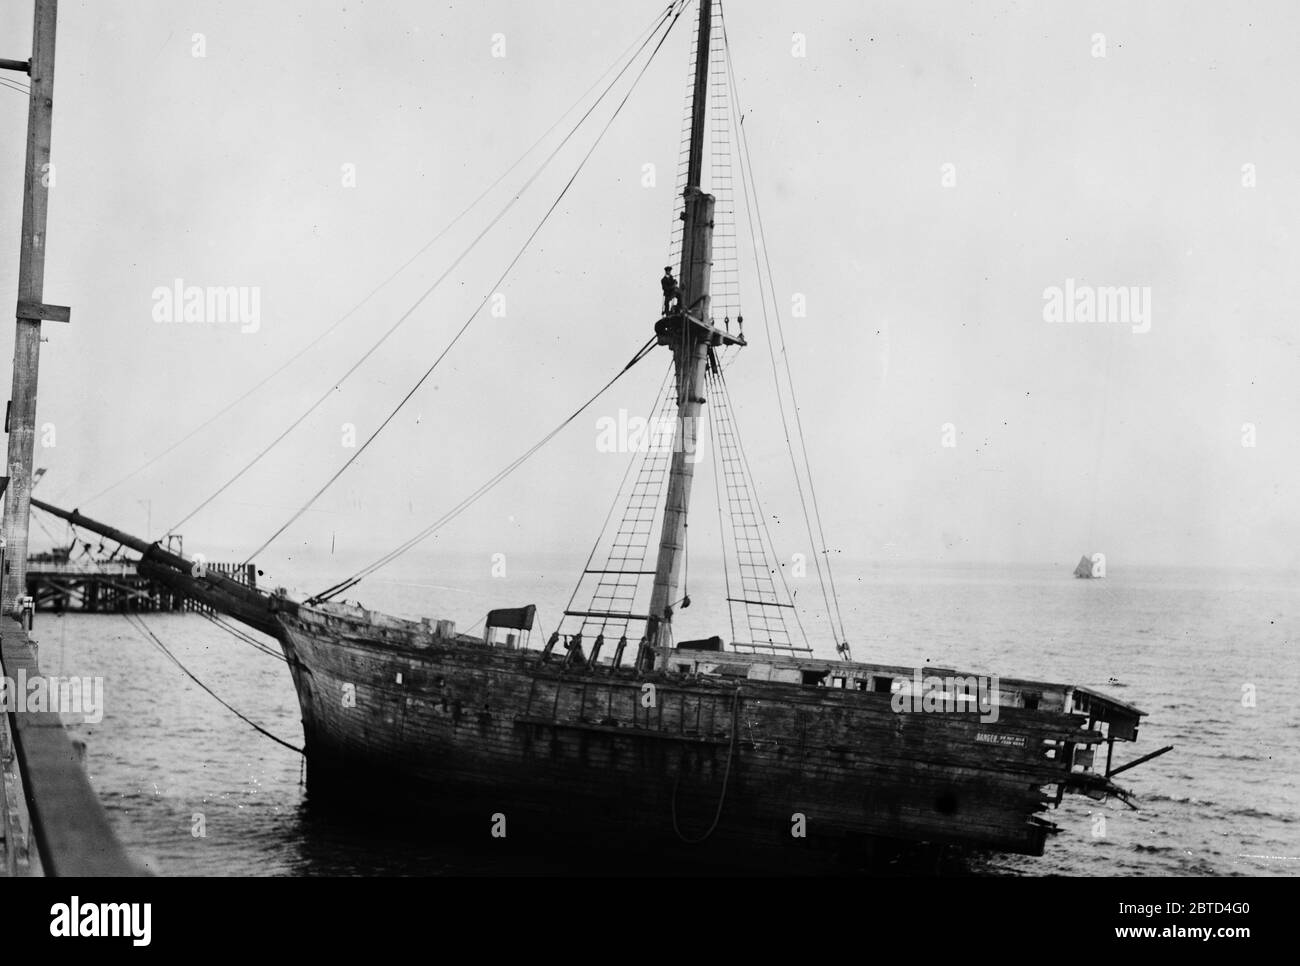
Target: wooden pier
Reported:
point(51, 821)
point(94, 586)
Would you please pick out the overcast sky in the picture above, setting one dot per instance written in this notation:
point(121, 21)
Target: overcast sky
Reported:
point(1169, 164)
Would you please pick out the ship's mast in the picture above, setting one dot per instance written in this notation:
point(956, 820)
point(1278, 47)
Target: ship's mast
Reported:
point(689, 335)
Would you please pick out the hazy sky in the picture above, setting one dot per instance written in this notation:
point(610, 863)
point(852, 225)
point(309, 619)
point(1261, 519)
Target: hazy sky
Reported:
point(924, 285)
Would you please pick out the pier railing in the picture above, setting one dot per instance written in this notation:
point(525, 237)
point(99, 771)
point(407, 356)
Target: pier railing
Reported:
point(98, 586)
point(115, 568)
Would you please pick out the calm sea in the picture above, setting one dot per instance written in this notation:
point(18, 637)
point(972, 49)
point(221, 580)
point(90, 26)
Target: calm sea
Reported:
point(1190, 646)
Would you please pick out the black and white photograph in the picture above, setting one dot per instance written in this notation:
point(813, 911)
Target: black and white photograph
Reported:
point(634, 439)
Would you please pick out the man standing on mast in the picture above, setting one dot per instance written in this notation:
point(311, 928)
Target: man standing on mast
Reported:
point(671, 289)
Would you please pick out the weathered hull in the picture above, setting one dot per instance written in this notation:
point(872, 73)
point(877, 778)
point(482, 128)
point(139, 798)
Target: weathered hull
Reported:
point(471, 731)
point(755, 754)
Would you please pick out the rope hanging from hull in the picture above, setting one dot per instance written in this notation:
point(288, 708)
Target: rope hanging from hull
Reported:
point(726, 776)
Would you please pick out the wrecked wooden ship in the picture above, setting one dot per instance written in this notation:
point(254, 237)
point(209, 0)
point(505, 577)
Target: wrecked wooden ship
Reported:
point(613, 731)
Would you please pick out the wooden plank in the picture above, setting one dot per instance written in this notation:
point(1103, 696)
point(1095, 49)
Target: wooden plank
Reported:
point(71, 830)
point(15, 858)
point(33, 311)
point(616, 730)
point(1110, 772)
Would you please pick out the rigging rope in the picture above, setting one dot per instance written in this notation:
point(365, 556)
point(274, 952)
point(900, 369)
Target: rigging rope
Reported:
point(655, 410)
point(41, 523)
point(491, 483)
point(132, 619)
point(429, 291)
point(715, 464)
point(190, 674)
point(473, 315)
point(495, 287)
point(720, 385)
point(756, 217)
point(240, 635)
point(405, 265)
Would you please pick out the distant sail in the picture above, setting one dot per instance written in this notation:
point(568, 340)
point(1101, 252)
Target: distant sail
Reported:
point(1085, 567)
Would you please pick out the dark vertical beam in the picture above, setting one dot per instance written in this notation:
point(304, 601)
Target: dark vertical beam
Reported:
point(31, 284)
point(700, 100)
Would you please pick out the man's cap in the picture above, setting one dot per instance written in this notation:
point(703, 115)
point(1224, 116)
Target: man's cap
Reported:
point(668, 268)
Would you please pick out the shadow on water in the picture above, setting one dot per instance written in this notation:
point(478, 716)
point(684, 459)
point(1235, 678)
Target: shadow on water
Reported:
point(348, 838)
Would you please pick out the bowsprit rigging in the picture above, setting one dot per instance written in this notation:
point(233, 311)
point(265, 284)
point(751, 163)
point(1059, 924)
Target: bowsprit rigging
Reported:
point(665, 26)
point(333, 591)
point(598, 745)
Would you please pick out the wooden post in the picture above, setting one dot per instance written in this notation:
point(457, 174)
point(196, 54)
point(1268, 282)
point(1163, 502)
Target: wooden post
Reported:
point(31, 284)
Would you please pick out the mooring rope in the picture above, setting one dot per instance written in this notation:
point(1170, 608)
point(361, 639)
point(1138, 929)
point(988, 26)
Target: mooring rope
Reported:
point(190, 674)
point(240, 635)
point(726, 774)
point(138, 624)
